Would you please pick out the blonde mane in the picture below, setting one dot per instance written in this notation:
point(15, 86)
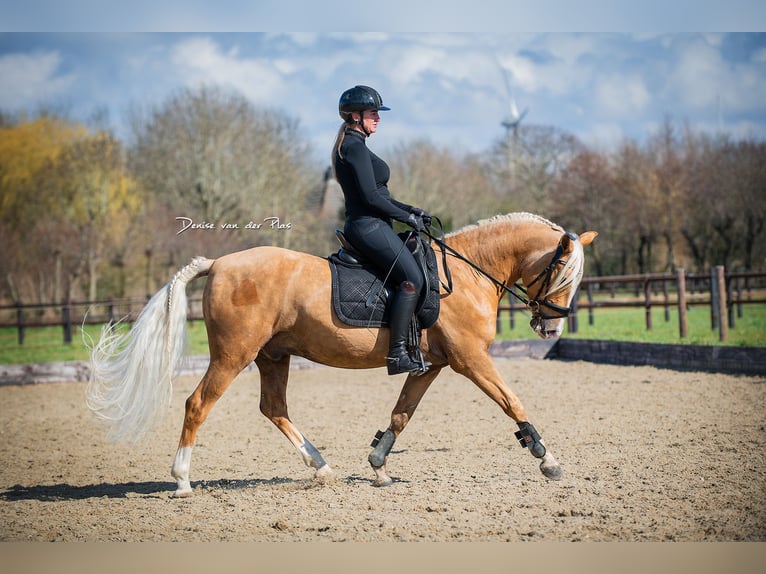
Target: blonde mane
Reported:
point(568, 276)
point(571, 273)
point(508, 217)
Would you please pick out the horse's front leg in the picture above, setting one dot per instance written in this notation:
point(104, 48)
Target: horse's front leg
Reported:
point(480, 368)
point(415, 386)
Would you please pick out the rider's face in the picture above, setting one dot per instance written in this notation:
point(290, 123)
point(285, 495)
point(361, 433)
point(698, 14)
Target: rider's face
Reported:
point(370, 119)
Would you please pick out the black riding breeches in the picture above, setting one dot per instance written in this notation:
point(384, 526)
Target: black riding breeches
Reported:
point(378, 242)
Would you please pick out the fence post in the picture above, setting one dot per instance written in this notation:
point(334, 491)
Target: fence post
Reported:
point(723, 325)
point(713, 299)
point(66, 322)
point(648, 303)
point(739, 297)
point(589, 291)
point(681, 288)
point(20, 322)
point(572, 319)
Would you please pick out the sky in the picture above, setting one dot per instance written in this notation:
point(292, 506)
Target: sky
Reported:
point(600, 69)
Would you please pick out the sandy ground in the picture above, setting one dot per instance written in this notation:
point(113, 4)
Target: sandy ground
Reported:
point(648, 455)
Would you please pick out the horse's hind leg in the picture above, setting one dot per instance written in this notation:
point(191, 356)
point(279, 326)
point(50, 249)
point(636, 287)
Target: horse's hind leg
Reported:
point(274, 376)
point(215, 382)
point(409, 398)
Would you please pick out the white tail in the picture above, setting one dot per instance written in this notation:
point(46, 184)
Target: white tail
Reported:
point(131, 373)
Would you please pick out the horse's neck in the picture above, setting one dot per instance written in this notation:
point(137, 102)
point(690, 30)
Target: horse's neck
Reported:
point(504, 248)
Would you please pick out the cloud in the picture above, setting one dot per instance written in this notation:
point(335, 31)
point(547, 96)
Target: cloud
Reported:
point(703, 79)
point(30, 79)
point(622, 95)
point(444, 86)
point(201, 60)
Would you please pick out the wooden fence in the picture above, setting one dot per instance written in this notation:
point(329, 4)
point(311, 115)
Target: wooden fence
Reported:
point(725, 294)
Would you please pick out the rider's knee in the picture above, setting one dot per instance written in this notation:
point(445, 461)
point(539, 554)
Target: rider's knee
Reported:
point(410, 287)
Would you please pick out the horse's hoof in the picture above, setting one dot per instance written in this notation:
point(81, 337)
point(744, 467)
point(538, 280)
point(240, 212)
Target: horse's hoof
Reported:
point(182, 493)
point(184, 489)
point(324, 473)
point(551, 471)
point(381, 477)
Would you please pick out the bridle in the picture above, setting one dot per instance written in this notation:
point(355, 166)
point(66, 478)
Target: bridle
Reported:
point(537, 304)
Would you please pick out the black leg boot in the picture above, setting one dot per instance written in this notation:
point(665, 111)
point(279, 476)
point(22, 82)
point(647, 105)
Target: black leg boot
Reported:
point(403, 307)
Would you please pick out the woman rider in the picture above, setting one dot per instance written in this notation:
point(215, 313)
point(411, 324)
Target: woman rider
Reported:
point(370, 211)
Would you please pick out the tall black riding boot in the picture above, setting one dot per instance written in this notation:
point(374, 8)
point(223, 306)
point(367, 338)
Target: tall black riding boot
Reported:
point(403, 307)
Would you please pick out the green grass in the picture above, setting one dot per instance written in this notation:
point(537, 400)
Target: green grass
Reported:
point(630, 325)
point(45, 344)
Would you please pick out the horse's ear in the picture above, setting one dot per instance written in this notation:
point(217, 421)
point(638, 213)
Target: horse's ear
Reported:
point(588, 237)
point(566, 241)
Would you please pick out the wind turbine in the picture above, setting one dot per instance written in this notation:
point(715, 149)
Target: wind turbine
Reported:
point(511, 123)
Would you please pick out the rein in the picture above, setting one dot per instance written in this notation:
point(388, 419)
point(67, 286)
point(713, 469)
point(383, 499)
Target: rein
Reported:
point(534, 304)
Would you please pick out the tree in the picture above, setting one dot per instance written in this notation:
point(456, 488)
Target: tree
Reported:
point(67, 201)
point(583, 198)
point(525, 168)
point(99, 201)
point(452, 187)
point(749, 186)
point(216, 158)
point(639, 199)
point(672, 186)
point(30, 153)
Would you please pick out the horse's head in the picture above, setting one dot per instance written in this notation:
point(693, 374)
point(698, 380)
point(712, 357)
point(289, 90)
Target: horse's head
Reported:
point(553, 282)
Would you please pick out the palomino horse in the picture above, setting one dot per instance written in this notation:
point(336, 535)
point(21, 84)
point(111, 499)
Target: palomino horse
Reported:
point(266, 304)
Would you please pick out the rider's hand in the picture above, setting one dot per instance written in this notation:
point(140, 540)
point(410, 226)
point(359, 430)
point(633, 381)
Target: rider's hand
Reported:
point(423, 214)
point(416, 221)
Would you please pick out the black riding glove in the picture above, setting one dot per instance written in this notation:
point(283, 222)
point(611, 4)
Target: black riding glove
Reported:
point(415, 221)
point(423, 214)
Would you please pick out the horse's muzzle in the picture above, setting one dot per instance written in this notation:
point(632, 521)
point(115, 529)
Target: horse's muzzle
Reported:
point(540, 326)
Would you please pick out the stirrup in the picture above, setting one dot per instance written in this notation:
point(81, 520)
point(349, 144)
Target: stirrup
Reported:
point(404, 364)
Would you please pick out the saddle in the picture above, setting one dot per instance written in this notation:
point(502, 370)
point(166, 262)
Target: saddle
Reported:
point(360, 295)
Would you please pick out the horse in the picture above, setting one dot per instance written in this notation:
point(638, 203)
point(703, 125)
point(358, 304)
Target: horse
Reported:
point(265, 304)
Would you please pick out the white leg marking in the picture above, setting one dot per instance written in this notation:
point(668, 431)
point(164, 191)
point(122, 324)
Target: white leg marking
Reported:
point(180, 471)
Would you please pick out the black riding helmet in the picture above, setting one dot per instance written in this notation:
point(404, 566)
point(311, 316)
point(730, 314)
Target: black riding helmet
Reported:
point(358, 99)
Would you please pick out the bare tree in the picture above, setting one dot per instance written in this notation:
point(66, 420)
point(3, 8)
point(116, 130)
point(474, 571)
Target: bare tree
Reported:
point(453, 187)
point(583, 198)
point(666, 154)
point(218, 159)
point(748, 193)
point(525, 167)
point(639, 200)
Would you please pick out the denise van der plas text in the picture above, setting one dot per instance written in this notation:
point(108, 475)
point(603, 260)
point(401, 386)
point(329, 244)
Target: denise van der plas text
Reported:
point(268, 223)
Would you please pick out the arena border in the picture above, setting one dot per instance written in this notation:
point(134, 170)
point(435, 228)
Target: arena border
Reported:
point(714, 359)
point(709, 358)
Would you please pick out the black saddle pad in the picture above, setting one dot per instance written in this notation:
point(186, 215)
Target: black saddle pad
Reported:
point(360, 297)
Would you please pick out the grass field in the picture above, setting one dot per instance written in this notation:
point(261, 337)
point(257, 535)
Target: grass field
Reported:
point(45, 344)
point(630, 325)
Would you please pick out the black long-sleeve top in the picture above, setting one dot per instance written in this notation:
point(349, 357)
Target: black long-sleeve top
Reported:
point(363, 177)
